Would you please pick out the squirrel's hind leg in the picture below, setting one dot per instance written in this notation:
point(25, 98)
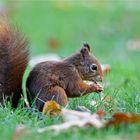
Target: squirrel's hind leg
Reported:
point(56, 93)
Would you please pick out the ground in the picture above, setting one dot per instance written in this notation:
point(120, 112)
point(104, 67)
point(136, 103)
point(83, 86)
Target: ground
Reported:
point(108, 27)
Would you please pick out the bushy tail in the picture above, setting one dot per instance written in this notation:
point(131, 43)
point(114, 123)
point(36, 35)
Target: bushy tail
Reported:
point(14, 55)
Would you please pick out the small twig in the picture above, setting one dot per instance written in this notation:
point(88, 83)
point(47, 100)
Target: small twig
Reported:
point(41, 100)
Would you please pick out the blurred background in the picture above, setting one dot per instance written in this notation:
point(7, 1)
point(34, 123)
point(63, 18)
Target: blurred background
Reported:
point(111, 27)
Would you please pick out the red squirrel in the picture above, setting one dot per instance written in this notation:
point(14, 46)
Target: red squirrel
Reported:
point(50, 80)
point(59, 80)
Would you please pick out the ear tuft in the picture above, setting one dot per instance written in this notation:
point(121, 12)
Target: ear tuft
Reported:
point(86, 45)
point(85, 50)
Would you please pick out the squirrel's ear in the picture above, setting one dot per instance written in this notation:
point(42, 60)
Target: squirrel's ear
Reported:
point(85, 50)
point(86, 45)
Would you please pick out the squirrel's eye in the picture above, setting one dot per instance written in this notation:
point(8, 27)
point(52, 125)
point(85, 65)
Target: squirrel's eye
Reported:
point(93, 67)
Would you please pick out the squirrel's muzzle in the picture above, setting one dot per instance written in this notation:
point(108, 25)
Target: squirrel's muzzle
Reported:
point(99, 78)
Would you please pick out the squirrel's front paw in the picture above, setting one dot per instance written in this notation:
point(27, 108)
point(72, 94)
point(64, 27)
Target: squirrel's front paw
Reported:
point(97, 88)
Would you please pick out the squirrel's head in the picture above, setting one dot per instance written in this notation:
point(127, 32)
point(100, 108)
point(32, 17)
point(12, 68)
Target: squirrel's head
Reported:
point(89, 67)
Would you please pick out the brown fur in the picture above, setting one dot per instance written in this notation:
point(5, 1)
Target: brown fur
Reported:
point(13, 61)
point(53, 80)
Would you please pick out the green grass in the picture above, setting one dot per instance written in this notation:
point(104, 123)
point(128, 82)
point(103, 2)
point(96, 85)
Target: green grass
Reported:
point(107, 30)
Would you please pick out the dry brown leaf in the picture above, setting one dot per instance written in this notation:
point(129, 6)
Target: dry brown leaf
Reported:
point(20, 130)
point(70, 115)
point(70, 124)
point(53, 43)
point(123, 118)
point(100, 113)
point(76, 119)
point(51, 108)
point(82, 119)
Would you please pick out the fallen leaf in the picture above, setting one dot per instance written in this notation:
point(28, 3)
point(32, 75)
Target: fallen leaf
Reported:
point(51, 108)
point(75, 119)
point(53, 43)
point(123, 118)
point(70, 124)
point(70, 115)
point(100, 113)
point(20, 130)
